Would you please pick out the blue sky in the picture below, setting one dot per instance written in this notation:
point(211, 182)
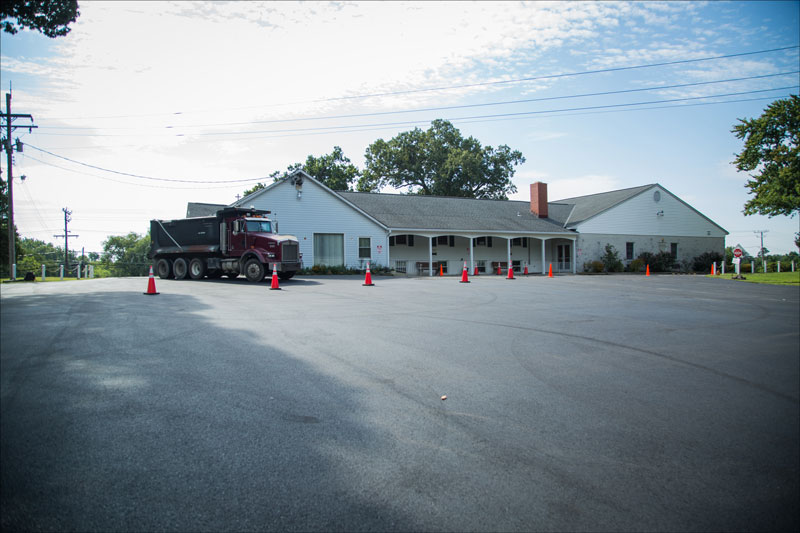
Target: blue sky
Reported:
point(217, 92)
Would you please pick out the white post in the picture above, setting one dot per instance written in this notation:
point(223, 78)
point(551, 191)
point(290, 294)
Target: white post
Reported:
point(430, 256)
point(779, 266)
point(86, 271)
point(508, 241)
point(471, 256)
point(43, 275)
point(574, 258)
point(14, 271)
point(753, 266)
point(738, 261)
point(78, 271)
point(91, 271)
point(544, 261)
point(61, 272)
point(723, 266)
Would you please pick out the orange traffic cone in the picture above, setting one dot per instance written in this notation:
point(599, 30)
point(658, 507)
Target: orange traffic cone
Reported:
point(464, 278)
point(499, 272)
point(151, 283)
point(550, 273)
point(526, 270)
point(475, 273)
point(440, 270)
point(274, 286)
point(647, 271)
point(510, 272)
point(368, 279)
point(713, 269)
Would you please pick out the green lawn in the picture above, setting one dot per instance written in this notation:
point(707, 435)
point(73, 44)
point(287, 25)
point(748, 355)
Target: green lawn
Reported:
point(21, 279)
point(773, 278)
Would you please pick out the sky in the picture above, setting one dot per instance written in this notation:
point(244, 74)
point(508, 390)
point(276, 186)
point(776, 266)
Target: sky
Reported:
point(146, 106)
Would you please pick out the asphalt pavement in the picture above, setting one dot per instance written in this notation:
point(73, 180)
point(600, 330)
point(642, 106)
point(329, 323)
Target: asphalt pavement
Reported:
point(599, 403)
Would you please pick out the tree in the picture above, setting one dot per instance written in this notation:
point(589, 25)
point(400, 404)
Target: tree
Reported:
point(51, 17)
point(334, 170)
point(772, 149)
point(440, 162)
point(126, 255)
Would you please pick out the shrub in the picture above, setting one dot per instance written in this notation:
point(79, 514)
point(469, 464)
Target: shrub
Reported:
point(637, 265)
point(597, 266)
point(702, 263)
point(660, 262)
point(611, 260)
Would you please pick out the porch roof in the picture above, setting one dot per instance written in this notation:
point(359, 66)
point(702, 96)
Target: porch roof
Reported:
point(434, 213)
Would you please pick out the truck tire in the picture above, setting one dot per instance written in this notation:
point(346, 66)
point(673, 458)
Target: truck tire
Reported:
point(197, 268)
point(164, 268)
point(254, 271)
point(286, 275)
point(180, 268)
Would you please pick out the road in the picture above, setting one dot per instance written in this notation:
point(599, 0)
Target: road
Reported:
point(600, 403)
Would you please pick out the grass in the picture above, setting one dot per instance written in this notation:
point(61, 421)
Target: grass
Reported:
point(771, 278)
point(38, 279)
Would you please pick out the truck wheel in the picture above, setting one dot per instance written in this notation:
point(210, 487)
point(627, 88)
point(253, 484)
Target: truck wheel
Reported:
point(254, 271)
point(286, 275)
point(164, 268)
point(180, 268)
point(197, 268)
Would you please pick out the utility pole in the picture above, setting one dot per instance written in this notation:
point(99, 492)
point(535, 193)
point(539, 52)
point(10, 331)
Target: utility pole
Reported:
point(66, 236)
point(763, 258)
point(9, 148)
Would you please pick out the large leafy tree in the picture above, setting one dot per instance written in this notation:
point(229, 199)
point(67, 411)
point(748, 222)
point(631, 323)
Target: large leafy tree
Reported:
point(772, 153)
point(51, 17)
point(333, 169)
point(126, 255)
point(440, 162)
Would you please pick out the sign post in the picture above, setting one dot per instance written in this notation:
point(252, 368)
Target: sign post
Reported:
point(737, 259)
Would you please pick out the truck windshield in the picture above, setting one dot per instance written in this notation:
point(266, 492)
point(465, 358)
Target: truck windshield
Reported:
point(259, 226)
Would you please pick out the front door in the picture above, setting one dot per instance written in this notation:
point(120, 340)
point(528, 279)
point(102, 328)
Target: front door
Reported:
point(563, 252)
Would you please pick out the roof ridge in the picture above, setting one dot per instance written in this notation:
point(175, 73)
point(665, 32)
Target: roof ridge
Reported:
point(606, 192)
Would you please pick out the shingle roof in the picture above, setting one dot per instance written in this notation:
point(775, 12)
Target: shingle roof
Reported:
point(197, 209)
point(583, 208)
point(448, 213)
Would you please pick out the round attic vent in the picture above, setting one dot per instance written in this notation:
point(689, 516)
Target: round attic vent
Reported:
point(657, 196)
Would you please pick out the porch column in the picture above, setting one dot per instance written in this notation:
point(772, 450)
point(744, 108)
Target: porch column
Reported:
point(430, 256)
point(471, 257)
point(544, 262)
point(574, 258)
point(388, 257)
point(508, 240)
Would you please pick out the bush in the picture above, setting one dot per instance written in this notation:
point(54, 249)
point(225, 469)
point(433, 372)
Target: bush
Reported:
point(611, 260)
point(702, 263)
point(660, 262)
point(595, 266)
point(637, 265)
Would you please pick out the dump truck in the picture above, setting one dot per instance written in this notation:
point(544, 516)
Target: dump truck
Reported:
point(236, 241)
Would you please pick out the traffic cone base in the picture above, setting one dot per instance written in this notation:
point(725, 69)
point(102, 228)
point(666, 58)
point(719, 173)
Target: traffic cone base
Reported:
point(151, 284)
point(368, 279)
point(274, 286)
point(464, 278)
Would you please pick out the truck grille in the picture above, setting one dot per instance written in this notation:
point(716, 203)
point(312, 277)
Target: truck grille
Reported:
point(289, 252)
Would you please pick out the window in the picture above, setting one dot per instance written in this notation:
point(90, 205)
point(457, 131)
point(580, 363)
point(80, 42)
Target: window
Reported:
point(364, 248)
point(259, 226)
point(520, 241)
point(673, 249)
point(442, 239)
point(628, 251)
point(329, 249)
point(400, 266)
point(481, 265)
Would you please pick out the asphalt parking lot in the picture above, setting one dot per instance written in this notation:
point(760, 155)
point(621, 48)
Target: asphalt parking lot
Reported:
point(575, 403)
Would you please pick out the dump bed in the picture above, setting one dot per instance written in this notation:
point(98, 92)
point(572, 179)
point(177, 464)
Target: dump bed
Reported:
point(185, 234)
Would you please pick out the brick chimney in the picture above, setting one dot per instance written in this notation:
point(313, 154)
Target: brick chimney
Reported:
point(539, 199)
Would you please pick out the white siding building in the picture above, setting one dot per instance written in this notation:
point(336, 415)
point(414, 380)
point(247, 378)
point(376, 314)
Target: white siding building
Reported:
point(424, 234)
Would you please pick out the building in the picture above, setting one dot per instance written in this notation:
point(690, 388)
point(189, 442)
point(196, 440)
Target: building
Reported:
point(423, 234)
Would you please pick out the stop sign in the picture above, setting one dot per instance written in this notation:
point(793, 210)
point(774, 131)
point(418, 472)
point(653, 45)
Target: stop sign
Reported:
point(737, 252)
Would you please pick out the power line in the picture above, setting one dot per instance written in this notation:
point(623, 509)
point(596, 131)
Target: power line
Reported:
point(443, 108)
point(467, 85)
